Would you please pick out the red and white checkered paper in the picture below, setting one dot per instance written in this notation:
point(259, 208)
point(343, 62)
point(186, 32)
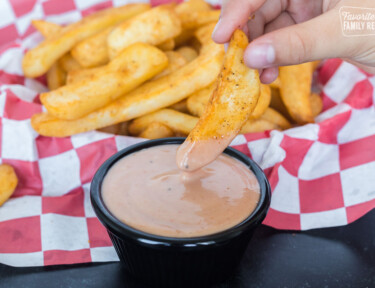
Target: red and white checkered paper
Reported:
point(321, 174)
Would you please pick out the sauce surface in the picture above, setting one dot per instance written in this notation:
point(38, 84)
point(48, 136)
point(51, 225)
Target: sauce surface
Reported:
point(147, 191)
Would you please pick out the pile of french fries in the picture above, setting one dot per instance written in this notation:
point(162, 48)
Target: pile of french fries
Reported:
point(149, 72)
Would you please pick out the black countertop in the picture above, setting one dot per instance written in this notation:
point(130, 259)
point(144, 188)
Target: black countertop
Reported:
point(324, 258)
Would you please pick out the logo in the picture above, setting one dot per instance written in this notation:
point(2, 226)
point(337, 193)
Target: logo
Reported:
point(357, 21)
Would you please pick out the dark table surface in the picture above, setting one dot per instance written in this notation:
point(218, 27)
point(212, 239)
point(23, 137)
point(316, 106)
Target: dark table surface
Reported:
point(335, 257)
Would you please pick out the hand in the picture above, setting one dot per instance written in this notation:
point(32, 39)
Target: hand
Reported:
point(288, 32)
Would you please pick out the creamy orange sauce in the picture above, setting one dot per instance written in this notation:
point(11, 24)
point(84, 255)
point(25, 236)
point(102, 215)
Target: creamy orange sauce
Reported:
point(147, 191)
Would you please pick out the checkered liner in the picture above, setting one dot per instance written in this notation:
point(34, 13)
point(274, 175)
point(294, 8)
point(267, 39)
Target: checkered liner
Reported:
point(321, 174)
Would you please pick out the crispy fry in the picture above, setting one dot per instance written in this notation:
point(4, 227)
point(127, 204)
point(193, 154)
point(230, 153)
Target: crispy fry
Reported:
point(278, 104)
point(258, 125)
point(231, 104)
point(177, 121)
point(188, 53)
point(316, 104)
point(56, 77)
point(180, 106)
point(197, 102)
point(47, 29)
point(81, 74)
point(167, 45)
point(38, 60)
point(150, 97)
point(203, 35)
point(175, 61)
point(263, 102)
point(275, 117)
point(8, 181)
point(156, 130)
point(117, 129)
point(295, 91)
point(68, 63)
point(200, 18)
point(92, 51)
point(152, 27)
point(136, 64)
point(276, 84)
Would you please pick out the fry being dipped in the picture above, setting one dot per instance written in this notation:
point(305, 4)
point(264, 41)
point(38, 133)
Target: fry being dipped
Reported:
point(230, 106)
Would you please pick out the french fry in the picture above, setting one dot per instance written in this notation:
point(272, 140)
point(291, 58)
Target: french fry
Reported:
point(203, 35)
point(295, 91)
point(156, 130)
point(38, 60)
point(275, 117)
point(316, 104)
point(150, 97)
point(180, 106)
point(278, 104)
point(263, 102)
point(93, 51)
point(68, 63)
point(82, 74)
point(136, 64)
point(188, 53)
point(177, 121)
point(197, 102)
point(56, 77)
point(184, 37)
point(152, 27)
point(200, 18)
point(231, 104)
point(47, 29)
point(117, 129)
point(258, 125)
point(276, 84)
point(167, 45)
point(175, 61)
point(8, 181)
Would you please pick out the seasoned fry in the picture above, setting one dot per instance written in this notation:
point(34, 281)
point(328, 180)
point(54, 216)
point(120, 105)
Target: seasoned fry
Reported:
point(316, 104)
point(68, 63)
point(188, 53)
point(295, 91)
point(156, 130)
point(8, 181)
point(47, 29)
point(38, 60)
point(82, 74)
point(175, 61)
point(231, 104)
point(136, 64)
point(93, 51)
point(150, 97)
point(200, 18)
point(167, 45)
point(180, 106)
point(275, 117)
point(263, 102)
point(276, 84)
point(258, 125)
point(56, 77)
point(197, 102)
point(152, 27)
point(177, 121)
point(117, 129)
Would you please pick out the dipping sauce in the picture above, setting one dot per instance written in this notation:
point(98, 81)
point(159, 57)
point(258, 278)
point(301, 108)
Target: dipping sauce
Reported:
point(147, 191)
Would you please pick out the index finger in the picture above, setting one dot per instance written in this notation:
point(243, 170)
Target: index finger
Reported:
point(234, 15)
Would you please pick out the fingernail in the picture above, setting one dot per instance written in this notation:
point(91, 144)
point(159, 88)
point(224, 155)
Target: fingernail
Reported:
point(216, 27)
point(260, 56)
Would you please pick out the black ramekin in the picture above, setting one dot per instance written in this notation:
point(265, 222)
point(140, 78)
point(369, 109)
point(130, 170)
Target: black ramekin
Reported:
point(179, 262)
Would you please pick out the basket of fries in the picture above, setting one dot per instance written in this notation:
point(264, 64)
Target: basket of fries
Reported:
point(81, 82)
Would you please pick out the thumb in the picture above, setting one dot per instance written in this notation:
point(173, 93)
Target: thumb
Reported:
point(316, 39)
point(234, 15)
